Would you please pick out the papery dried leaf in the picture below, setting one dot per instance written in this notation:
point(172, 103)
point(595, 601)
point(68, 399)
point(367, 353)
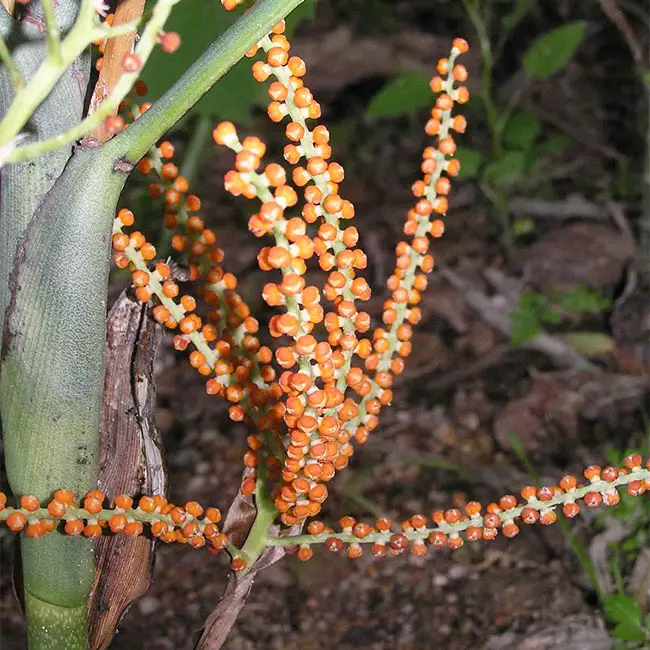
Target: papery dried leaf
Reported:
point(220, 622)
point(237, 524)
point(241, 515)
point(131, 462)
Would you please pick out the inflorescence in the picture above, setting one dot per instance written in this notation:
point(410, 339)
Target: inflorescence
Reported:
point(327, 391)
point(320, 391)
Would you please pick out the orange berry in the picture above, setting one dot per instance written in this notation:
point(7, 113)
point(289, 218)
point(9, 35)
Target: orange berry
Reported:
point(92, 530)
point(56, 508)
point(145, 166)
point(16, 521)
point(126, 217)
point(170, 42)
point(114, 124)
point(169, 171)
point(462, 95)
point(64, 496)
point(225, 133)
point(276, 57)
point(166, 149)
point(29, 503)
point(74, 527)
point(35, 530)
point(117, 523)
point(120, 241)
point(133, 529)
point(147, 504)
point(131, 63)
point(461, 45)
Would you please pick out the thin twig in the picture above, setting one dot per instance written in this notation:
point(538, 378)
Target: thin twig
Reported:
point(613, 12)
point(498, 316)
point(567, 209)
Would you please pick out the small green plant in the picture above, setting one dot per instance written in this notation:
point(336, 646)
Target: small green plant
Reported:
point(518, 144)
point(536, 309)
point(631, 627)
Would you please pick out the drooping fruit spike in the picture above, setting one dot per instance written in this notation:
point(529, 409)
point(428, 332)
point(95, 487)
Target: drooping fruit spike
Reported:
point(92, 520)
point(451, 529)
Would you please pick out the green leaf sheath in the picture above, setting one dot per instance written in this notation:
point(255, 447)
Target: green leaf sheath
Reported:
point(23, 186)
point(51, 378)
point(55, 628)
point(54, 260)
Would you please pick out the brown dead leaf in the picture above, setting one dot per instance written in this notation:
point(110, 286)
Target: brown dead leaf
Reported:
point(578, 254)
point(239, 520)
point(220, 622)
point(131, 462)
point(558, 401)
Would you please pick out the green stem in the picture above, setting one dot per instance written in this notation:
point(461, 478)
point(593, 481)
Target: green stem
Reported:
point(500, 206)
point(52, 32)
point(507, 515)
point(486, 78)
point(231, 46)
point(258, 537)
point(7, 59)
point(29, 97)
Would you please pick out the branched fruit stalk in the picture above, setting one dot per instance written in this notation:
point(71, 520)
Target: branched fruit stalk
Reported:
point(306, 417)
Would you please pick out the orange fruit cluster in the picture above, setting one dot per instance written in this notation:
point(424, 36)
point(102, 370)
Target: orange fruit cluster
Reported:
point(329, 402)
point(227, 350)
point(328, 392)
point(227, 330)
point(452, 528)
point(190, 524)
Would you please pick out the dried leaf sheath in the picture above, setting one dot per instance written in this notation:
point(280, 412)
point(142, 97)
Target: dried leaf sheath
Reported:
point(131, 461)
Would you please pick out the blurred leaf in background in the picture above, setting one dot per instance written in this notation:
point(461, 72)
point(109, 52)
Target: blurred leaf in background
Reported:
point(405, 93)
point(506, 171)
point(626, 614)
point(552, 51)
point(237, 93)
point(470, 161)
point(521, 131)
